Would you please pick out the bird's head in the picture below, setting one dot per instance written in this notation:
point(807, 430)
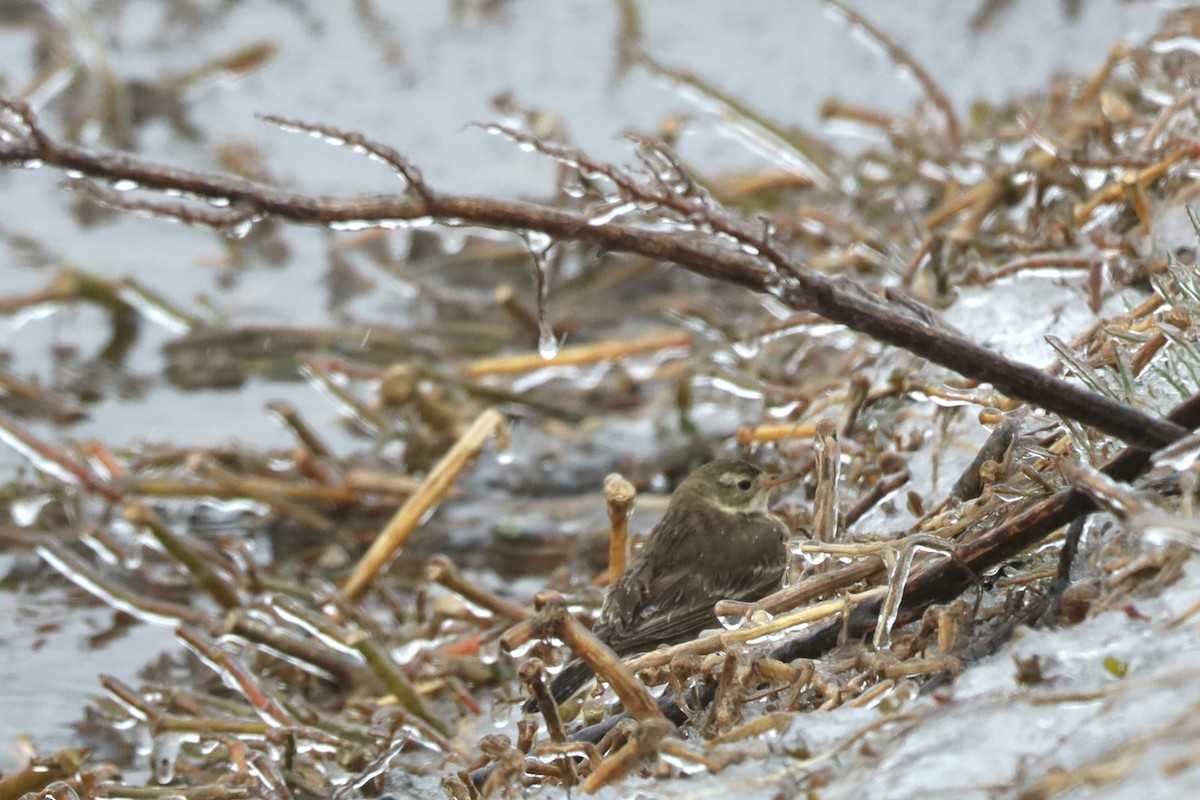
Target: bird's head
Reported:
point(728, 484)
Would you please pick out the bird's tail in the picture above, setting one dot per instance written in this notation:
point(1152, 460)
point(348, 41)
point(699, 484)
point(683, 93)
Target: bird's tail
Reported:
point(566, 683)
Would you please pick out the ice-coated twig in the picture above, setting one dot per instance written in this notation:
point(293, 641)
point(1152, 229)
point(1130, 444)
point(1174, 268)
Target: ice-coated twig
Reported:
point(359, 143)
point(752, 259)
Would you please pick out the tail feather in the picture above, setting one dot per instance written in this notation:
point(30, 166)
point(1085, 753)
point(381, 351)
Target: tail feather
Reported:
point(573, 678)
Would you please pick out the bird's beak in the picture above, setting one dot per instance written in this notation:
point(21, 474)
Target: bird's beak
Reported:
point(780, 480)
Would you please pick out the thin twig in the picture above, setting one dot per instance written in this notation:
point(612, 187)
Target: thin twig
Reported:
point(579, 355)
point(904, 59)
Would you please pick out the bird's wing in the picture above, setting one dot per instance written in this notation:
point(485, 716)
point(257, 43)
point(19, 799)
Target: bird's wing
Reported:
point(645, 608)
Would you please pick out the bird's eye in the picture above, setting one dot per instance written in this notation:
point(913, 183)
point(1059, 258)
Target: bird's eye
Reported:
point(744, 485)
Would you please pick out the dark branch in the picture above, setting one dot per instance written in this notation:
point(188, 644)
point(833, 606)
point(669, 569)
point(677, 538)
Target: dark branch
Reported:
point(752, 260)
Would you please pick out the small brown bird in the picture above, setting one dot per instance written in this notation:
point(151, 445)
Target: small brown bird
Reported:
point(717, 541)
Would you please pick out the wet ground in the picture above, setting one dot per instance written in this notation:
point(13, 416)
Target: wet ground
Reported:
point(182, 82)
